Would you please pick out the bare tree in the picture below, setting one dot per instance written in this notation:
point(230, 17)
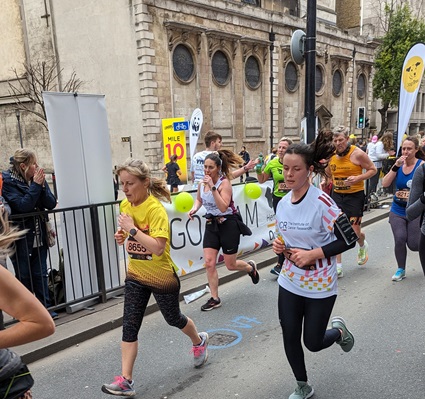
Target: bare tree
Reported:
point(38, 77)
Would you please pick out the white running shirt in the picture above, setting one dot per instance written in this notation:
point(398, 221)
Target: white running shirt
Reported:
point(308, 224)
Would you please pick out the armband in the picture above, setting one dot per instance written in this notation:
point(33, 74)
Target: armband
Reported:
point(395, 168)
point(346, 229)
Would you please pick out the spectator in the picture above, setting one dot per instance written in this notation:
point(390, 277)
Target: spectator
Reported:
point(346, 169)
point(245, 156)
point(270, 156)
point(144, 222)
point(173, 173)
point(376, 152)
point(26, 190)
point(222, 230)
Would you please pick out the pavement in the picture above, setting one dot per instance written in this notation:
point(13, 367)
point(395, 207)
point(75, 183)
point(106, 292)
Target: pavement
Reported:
point(74, 328)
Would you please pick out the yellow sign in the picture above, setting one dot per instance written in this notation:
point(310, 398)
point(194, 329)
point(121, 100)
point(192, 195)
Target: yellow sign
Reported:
point(175, 144)
point(412, 73)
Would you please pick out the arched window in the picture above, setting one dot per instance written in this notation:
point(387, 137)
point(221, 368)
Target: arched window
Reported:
point(337, 83)
point(183, 63)
point(252, 72)
point(291, 77)
point(220, 68)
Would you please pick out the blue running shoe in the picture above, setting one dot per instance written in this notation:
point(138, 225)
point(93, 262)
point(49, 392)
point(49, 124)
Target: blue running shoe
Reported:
point(399, 275)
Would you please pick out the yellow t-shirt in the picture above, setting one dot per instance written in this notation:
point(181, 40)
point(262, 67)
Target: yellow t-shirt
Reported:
point(156, 272)
point(341, 168)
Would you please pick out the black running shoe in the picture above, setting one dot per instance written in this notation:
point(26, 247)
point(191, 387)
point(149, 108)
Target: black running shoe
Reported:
point(211, 304)
point(276, 270)
point(255, 277)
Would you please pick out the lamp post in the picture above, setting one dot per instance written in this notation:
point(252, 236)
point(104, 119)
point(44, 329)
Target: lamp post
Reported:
point(310, 72)
point(272, 38)
point(18, 117)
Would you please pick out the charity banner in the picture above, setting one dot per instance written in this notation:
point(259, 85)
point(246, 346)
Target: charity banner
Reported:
point(195, 127)
point(411, 77)
point(174, 143)
point(187, 235)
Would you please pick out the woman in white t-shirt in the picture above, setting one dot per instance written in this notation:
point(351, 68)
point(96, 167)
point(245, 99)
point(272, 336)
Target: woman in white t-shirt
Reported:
point(310, 241)
point(376, 151)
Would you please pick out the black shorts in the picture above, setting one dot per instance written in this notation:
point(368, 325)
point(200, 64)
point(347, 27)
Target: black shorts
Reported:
point(351, 204)
point(227, 237)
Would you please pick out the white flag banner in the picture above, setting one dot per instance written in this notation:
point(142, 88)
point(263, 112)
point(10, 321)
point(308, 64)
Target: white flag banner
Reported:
point(195, 130)
point(411, 77)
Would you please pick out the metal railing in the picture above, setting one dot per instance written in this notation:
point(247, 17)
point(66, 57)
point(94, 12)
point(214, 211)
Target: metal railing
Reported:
point(85, 265)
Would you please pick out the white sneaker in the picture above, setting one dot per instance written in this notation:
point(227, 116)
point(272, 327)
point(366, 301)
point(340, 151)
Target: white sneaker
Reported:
point(339, 272)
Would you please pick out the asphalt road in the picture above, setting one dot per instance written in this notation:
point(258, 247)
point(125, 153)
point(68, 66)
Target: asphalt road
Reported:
point(246, 357)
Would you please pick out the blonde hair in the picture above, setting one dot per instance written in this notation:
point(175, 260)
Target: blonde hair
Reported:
point(25, 156)
point(136, 167)
point(8, 236)
point(287, 139)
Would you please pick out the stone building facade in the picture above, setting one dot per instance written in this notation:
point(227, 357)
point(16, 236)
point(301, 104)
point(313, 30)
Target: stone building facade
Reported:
point(156, 60)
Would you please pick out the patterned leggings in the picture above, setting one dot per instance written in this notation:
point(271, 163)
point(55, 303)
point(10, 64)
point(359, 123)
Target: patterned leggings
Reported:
point(135, 302)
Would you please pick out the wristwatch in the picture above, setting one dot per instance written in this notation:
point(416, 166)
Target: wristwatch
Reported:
point(133, 232)
point(213, 188)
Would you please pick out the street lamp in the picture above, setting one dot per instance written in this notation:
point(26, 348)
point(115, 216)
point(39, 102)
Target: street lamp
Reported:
point(18, 117)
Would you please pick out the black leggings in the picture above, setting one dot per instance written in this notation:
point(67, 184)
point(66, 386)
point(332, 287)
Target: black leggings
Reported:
point(293, 310)
point(422, 251)
point(136, 300)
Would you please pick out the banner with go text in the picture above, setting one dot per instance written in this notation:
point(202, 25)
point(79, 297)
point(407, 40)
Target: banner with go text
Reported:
point(174, 143)
point(186, 236)
point(411, 77)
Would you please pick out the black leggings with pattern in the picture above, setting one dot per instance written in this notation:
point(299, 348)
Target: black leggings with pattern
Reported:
point(135, 302)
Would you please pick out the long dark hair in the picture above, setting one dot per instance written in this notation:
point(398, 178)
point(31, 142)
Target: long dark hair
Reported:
point(316, 154)
point(225, 160)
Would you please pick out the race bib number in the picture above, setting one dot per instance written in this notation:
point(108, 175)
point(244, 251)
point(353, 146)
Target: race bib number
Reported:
point(282, 187)
point(402, 195)
point(339, 184)
point(136, 250)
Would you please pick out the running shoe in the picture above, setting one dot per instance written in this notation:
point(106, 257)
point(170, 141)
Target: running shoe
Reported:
point(346, 341)
point(362, 255)
point(339, 271)
point(399, 275)
point(120, 387)
point(276, 270)
point(255, 277)
point(211, 304)
point(200, 352)
point(303, 391)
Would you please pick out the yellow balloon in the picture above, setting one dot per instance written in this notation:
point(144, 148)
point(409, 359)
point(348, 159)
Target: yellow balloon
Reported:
point(253, 190)
point(183, 202)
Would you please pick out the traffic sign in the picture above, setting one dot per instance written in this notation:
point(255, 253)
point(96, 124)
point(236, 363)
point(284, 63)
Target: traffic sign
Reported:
point(177, 126)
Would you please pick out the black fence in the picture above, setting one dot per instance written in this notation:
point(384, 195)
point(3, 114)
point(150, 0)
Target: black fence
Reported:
point(83, 266)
